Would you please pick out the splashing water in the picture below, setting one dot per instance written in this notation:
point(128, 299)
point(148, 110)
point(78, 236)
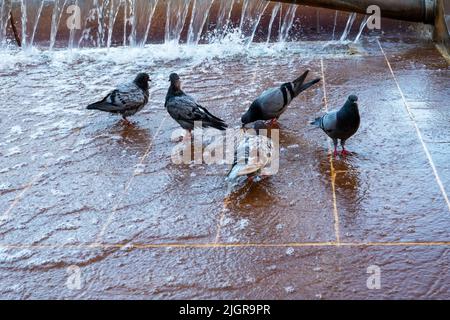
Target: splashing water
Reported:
point(142, 15)
point(56, 19)
point(275, 10)
point(334, 25)
point(5, 8)
point(200, 12)
point(224, 17)
point(176, 15)
point(252, 11)
point(106, 23)
point(288, 20)
point(361, 28)
point(348, 27)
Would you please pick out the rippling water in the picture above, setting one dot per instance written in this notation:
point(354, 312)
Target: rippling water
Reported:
point(73, 179)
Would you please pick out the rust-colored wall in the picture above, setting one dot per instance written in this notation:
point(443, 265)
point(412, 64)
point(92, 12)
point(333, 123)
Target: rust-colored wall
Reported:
point(310, 24)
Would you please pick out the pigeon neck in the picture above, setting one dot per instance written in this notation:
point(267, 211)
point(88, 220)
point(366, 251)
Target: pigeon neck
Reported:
point(174, 91)
point(142, 85)
point(350, 109)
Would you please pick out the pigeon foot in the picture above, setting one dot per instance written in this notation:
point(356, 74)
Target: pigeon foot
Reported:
point(344, 152)
point(127, 122)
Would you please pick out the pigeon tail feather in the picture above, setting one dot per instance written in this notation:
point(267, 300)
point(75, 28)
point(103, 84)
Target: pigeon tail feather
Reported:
point(97, 105)
point(217, 124)
point(105, 106)
point(301, 79)
point(307, 86)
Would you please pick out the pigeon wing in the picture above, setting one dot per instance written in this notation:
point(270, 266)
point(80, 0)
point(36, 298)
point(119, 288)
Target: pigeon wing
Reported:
point(273, 102)
point(185, 109)
point(126, 97)
point(329, 123)
point(253, 153)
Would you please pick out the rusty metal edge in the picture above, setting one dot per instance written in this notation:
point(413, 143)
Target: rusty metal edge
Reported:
point(441, 30)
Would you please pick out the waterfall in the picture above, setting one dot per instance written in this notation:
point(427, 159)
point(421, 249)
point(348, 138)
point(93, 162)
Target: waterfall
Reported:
point(200, 12)
point(334, 25)
point(4, 17)
point(287, 22)
point(275, 10)
point(141, 18)
point(348, 27)
point(176, 14)
point(252, 11)
point(111, 10)
point(56, 18)
point(361, 28)
point(92, 28)
point(224, 17)
point(105, 23)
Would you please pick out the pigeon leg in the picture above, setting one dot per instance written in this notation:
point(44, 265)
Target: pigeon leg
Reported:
point(126, 121)
point(335, 141)
point(344, 152)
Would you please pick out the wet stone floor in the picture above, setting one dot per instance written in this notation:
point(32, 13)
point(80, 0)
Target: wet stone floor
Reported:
point(81, 191)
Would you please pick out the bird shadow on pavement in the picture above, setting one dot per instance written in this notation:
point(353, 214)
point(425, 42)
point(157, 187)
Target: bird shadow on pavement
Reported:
point(348, 184)
point(251, 194)
point(130, 136)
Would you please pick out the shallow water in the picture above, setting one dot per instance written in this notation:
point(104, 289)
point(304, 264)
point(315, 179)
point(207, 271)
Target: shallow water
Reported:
point(81, 188)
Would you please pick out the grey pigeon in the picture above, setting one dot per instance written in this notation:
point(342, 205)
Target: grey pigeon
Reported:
point(273, 102)
point(127, 99)
point(253, 154)
point(186, 111)
point(341, 124)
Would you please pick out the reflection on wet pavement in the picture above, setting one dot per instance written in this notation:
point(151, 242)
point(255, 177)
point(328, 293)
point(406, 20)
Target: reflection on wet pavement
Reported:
point(85, 189)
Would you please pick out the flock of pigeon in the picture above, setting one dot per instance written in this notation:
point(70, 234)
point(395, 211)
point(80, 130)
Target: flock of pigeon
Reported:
point(128, 99)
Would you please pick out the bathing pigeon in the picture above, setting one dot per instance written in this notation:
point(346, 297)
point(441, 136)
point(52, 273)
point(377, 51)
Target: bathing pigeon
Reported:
point(273, 102)
point(253, 154)
point(341, 124)
point(185, 110)
point(127, 99)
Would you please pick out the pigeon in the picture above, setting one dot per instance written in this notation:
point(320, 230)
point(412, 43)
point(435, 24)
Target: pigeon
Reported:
point(341, 124)
point(253, 154)
point(186, 111)
point(127, 99)
point(273, 102)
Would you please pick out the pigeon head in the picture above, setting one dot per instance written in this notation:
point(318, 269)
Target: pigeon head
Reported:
point(352, 102)
point(175, 81)
point(353, 98)
point(259, 125)
point(253, 113)
point(142, 80)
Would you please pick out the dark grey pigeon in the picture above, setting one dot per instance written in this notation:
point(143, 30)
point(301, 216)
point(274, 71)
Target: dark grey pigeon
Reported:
point(341, 124)
point(127, 99)
point(273, 102)
point(186, 111)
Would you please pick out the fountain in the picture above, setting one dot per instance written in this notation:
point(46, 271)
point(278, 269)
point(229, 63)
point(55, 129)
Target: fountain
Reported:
point(137, 22)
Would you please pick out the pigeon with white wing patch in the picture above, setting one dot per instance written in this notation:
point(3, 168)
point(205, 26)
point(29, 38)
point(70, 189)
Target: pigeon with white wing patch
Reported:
point(273, 102)
point(253, 155)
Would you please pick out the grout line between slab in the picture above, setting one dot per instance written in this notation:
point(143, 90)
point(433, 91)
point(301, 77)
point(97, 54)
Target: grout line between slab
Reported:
point(128, 185)
point(419, 133)
point(332, 169)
